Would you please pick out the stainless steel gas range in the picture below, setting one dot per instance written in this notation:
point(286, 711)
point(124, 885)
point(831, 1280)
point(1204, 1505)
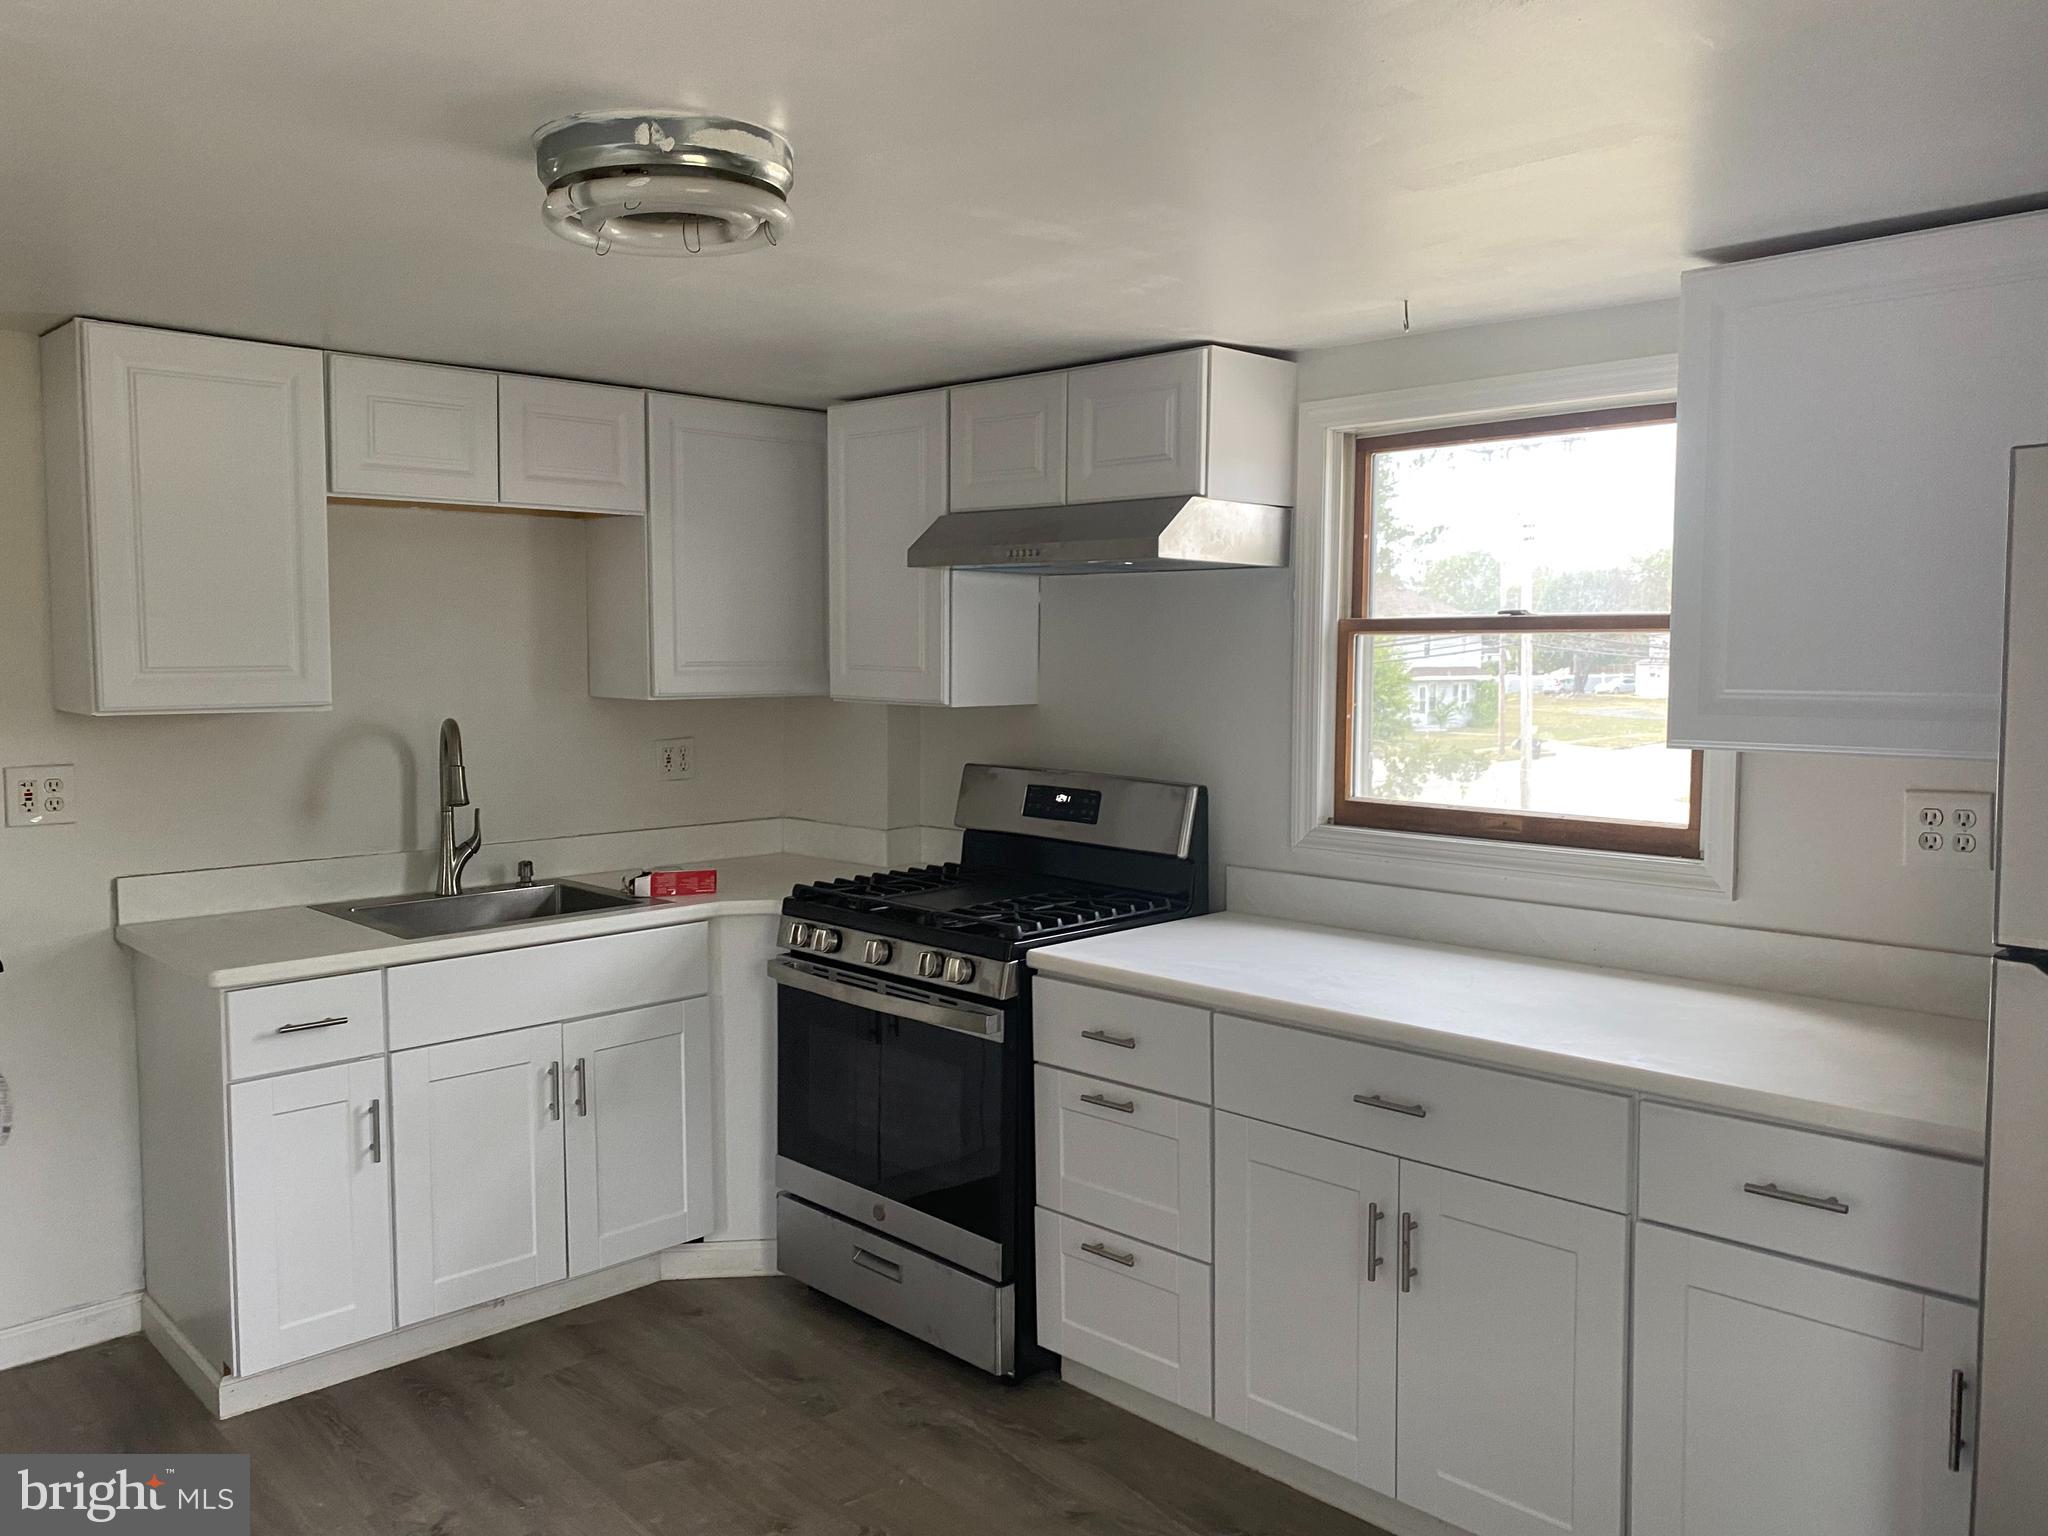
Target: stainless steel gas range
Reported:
point(903, 1033)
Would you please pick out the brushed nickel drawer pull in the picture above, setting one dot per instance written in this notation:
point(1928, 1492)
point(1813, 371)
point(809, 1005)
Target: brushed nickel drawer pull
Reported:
point(1958, 1384)
point(1395, 1106)
point(1104, 1037)
point(1103, 1251)
point(1828, 1203)
point(582, 1085)
point(376, 1130)
point(1408, 1269)
point(1104, 1101)
point(293, 1029)
point(1373, 1217)
point(554, 1090)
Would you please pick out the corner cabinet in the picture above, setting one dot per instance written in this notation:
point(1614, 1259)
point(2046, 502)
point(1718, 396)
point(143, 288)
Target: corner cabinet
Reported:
point(187, 490)
point(903, 636)
point(1847, 418)
point(719, 591)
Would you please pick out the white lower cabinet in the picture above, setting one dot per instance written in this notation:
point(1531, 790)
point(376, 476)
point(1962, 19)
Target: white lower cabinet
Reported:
point(638, 1132)
point(477, 1170)
point(1774, 1395)
point(1512, 1329)
point(1125, 1308)
point(312, 1211)
point(1306, 1290)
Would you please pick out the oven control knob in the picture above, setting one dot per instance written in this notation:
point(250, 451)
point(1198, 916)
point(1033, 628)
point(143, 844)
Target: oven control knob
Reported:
point(877, 951)
point(799, 935)
point(825, 940)
point(959, 972)
point(931, 965)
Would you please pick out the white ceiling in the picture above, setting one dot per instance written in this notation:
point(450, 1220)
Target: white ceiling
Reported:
point(982, 185)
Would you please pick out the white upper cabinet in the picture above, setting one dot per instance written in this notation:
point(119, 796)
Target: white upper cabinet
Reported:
point(903, 636)
point(571, 447)
point(720, 591)
point(1009, 443)
point(187, 504)
point(1211, 421)
point(1772, 1395)
point(1847, 418)
point(411, 431)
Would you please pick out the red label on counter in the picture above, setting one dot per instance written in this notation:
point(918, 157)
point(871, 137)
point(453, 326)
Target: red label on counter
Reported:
point(681, 882)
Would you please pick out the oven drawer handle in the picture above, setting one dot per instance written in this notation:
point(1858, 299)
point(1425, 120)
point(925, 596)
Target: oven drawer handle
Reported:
point(1104, 1101)
point(1834, 1205)
point(1104, 1251)
point(965, 1018)
point(1104, 1037)
point(874, 1263)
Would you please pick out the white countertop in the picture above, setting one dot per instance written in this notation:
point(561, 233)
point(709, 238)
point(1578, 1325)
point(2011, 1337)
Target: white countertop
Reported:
point(248, 949)
point(1912, 1078)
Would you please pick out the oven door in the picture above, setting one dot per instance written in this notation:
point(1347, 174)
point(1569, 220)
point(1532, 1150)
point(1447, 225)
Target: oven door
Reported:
point(894, 1108)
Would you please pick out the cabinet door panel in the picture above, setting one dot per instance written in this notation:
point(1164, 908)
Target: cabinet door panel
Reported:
point(1843, 462)
point(206, 499)
point(886, 468)
point(1773, 1395)
point(403, 430)
point(1138, 427)
point(736, 540)
point(477, 1160)
point(639, 1132)
point(312, 1209)
point(579, 447)
point(1511, 1360)
point(1009, 443)
point(1305, 1336)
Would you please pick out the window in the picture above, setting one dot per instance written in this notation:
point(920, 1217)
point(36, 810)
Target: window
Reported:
point(1503, 658)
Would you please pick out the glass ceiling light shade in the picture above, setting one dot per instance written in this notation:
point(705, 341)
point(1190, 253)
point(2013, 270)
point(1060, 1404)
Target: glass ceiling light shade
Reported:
point(664, 183)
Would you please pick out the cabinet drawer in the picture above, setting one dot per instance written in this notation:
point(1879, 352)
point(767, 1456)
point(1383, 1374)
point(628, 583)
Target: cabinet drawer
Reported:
point(305, 1023)
point(513, 988)
point(1126, 1039)
point(1550, 1137)
point(1909, 1217)
point(1127, 1309)
point(1135, 1162)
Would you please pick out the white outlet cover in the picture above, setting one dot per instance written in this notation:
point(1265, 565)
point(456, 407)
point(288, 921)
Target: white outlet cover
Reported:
point(1946, 829)
point(41, 795)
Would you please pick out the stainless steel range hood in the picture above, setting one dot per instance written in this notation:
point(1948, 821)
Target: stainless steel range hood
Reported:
point(1168, 533)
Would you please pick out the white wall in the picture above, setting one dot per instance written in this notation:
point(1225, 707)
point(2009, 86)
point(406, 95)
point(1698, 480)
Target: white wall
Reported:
point(1189, 676)
point(473, 614)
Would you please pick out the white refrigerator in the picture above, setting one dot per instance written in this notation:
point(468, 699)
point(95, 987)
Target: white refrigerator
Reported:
point(2012, 1427)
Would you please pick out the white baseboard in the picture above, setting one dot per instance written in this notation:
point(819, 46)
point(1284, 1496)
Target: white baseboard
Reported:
point(1394, 1518)
point(719, 1260)
point(42, 1337)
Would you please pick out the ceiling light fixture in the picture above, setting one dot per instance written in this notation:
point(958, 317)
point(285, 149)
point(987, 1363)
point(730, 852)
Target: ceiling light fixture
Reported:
point(664, 183)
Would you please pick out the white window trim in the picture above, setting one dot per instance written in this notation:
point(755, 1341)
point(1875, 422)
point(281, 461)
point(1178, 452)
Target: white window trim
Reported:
point(1322, 556)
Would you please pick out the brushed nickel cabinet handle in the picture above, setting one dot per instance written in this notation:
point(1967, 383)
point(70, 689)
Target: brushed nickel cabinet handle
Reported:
point(1104, 1251)
point(376, 1130)
point(1408, 1269)
point(1104, 1037)
point(293, 1029)
point(554, 1090)
point(1958, 1384)
point(582, 1086)
point(1393, 1106)
point(1829, 1203)
point(1373, 1217)
point(1104, 1101)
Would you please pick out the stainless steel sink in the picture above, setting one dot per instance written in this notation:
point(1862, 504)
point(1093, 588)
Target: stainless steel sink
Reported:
point(498, 906)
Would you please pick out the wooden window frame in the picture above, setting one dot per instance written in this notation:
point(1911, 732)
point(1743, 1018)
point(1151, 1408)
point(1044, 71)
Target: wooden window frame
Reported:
point(1584, 832)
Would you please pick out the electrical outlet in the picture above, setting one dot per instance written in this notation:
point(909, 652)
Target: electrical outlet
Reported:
point(1947, 829)
point(41, 796)
point(678, 758)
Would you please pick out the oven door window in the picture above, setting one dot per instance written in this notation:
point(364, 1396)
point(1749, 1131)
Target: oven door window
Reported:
point(827, 1066)
point(941, 1143)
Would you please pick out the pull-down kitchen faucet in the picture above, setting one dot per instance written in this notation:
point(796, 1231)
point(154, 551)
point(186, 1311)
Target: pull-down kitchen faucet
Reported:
point(455, 792)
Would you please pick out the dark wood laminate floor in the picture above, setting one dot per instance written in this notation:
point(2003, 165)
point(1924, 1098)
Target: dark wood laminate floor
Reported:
point(702, 1408)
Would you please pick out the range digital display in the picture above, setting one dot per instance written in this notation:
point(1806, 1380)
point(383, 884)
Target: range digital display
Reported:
point(1051, 802)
